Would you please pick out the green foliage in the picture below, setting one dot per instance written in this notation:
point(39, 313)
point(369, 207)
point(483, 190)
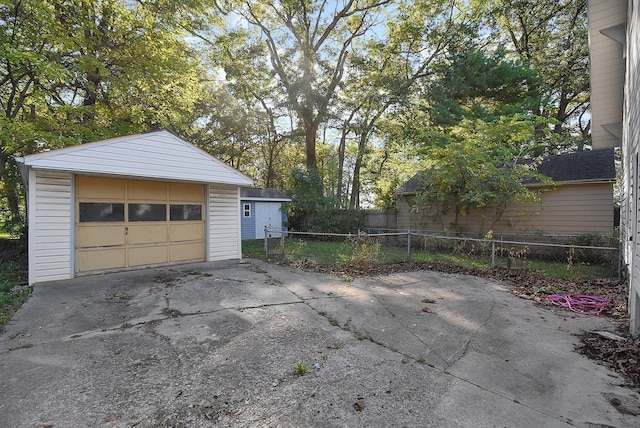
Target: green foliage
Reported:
point(13, 278)
point(477, 169)
point(552, 37)
point(475, 84)
point(76, 71)
point(300, 368)
point(307, 198)
point(335, 220)
point(587, 255)
point(362, 251)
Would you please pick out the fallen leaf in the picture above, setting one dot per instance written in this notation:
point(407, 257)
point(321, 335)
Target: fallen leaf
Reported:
point(426, 309)
point(111, 418)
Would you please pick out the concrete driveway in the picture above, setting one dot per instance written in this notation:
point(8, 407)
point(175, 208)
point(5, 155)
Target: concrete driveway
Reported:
point(213, 344)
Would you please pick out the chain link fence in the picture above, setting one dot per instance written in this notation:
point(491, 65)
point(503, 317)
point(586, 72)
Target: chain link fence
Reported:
point(597, 254)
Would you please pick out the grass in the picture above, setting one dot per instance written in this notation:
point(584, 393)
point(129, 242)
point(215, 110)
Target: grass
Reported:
point(338, 252)
point(13, 279)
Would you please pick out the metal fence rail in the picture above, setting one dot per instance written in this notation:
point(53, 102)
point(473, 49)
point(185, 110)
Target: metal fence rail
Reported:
point(381, 246)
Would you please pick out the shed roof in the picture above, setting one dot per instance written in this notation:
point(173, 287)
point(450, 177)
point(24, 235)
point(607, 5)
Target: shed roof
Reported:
point(156, 155)
point(263, 194)
point(580, 167)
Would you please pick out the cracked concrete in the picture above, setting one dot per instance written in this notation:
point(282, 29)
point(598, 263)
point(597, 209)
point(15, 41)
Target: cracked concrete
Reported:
point(213, 344)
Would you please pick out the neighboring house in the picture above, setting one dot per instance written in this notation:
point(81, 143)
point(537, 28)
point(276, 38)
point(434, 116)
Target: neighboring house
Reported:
point(125, 203)
point(260, 208)
point(614, 46)
point(580, 200)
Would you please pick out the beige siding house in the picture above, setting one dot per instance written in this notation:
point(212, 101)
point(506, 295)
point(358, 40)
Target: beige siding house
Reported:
point(128, 203)
point(579, 201)
point(616, 25)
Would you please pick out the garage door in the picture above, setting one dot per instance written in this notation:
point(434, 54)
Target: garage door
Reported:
point(124, 224)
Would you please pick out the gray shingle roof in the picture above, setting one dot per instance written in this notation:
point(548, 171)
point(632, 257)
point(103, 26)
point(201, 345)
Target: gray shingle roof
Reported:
point(590, 166)
point(595, 165)
point(263, 193)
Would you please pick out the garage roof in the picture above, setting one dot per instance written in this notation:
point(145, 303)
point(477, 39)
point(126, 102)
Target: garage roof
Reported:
point(157, 155)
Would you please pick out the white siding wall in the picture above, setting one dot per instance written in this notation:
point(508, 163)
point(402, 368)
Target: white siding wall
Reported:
point(50, 226)
point(606, 70)
point(224, 223)
point(631, 145)
point(156, 155)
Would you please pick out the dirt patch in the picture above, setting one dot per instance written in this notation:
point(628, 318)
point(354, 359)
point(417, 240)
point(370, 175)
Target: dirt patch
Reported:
point(621, 355)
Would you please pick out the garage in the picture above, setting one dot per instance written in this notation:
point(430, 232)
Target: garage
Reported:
point(131, 202)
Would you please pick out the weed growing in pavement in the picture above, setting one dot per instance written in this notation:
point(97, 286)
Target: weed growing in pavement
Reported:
point(325, 356)
point(300, 368)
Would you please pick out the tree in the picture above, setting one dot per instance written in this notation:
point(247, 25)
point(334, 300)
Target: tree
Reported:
point(76, 71)
point(552, 36)
point(477, 169)
point(308, 44)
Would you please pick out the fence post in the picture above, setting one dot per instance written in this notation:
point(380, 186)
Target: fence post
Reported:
point(493, 254)
point(409, 244)
point(266, 242)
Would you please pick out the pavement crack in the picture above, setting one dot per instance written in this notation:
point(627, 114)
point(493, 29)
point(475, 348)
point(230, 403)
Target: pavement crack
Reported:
point(407, 329)
point(467, 343)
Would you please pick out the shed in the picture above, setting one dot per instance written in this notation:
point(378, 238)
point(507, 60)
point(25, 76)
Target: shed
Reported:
point(579, 201)
point(260, 208)
point(130, 202)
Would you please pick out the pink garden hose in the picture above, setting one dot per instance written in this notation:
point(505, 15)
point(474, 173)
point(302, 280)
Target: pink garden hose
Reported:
point(580, 303)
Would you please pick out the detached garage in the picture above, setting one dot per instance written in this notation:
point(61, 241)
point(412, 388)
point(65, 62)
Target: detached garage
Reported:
point(128, 203)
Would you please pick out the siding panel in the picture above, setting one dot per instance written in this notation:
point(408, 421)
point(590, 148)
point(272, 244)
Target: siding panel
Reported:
point(50, 227)
point(165, 157)
point(569, 209)
point(224, 223)
point(606, 70)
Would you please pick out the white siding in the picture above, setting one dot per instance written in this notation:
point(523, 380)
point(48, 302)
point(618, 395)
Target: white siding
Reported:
point(606, 70)
point(50, 226)
point(224, 223)
point(155, 155)
point(631, 146)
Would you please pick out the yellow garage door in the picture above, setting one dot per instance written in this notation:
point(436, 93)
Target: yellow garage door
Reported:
point(123, 224)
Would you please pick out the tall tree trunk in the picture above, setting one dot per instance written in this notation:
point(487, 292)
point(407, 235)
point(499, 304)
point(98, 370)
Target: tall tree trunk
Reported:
point(354, 202)
point(310, 131)
point(341, 150)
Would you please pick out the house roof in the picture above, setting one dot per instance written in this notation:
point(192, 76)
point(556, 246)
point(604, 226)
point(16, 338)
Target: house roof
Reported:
point(589, 166)
point(263, 194)
point(580, 167)
point(157, 155)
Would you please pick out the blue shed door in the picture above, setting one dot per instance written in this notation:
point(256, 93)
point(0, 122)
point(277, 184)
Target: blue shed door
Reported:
point(267, 215)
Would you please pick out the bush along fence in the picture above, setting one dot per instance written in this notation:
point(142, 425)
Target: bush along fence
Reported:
point(572, 254)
